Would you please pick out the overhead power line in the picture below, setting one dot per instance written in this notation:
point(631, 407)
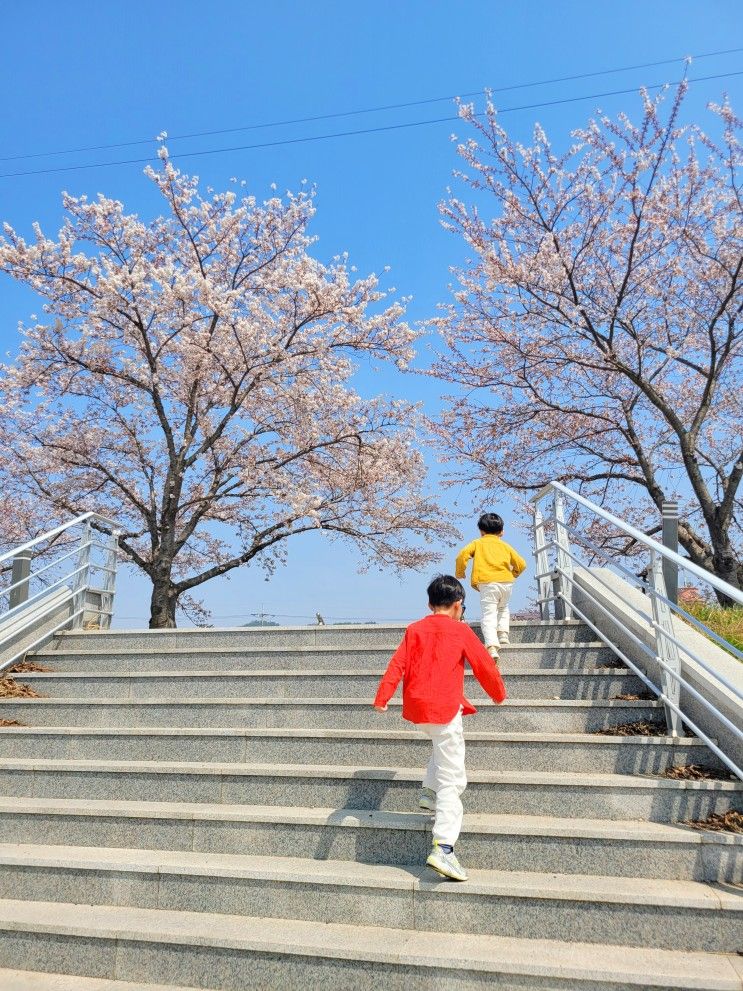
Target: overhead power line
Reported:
point(377, 109)
point(366, 130)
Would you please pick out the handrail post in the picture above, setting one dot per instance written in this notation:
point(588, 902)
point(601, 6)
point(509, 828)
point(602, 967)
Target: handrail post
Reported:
point(20, 578)
point(82, 578)
point(108, 590)
point(665, 648)
point(564, 561)
point(541, 561)
point(670, 512)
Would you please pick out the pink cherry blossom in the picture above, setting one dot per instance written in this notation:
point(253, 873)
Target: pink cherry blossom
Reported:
point(191, 378)
point(596, 333)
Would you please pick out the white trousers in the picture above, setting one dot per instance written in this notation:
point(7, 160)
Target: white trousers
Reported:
point(496, 616)
point(446, 776)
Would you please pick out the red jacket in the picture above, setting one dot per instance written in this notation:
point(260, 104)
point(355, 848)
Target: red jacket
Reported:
point(430, 661)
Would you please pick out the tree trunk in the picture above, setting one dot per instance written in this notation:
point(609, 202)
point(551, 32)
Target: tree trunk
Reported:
point(726, 566)
point(717, 556)
point(164, 599)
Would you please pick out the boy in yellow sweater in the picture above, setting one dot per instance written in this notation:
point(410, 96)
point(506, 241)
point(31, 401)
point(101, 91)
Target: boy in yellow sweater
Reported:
point(495, 567)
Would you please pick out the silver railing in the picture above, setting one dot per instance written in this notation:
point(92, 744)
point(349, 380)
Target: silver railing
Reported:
point(64, 578)
point(561, 544)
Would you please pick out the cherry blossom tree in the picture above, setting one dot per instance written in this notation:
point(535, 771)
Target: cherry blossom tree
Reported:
point(596, 331)
point(191, 379)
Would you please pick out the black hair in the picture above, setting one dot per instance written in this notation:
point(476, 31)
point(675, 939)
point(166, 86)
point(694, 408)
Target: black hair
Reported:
point(445, 590)
point(490, 523)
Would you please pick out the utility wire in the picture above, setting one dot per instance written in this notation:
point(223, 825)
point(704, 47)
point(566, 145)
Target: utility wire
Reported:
point(378, 109)
point(366, 130)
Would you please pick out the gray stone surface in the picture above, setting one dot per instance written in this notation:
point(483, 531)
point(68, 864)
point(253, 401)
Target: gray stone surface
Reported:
point(515, 715)
point(518, 657)
point(600, 683)
point(391, 748)
point(531, 843)
point(385, 636)
point(35, 950)
point(214, 776)
point(675, 915)
point(27, 980)
point(349, 787)
point(208, 950)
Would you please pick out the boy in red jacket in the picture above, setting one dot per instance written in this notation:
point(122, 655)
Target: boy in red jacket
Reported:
point(430, 661)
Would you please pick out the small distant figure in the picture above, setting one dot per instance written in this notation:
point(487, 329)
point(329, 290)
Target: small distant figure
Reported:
point(495, 567)
point(320, 620)
point(430, 661)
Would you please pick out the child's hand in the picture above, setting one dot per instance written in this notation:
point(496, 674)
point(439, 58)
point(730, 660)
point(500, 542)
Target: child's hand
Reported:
point(380, 708)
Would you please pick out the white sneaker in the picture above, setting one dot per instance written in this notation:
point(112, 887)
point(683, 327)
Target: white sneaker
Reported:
point(504, 640)
point(446, 864)
point(493, 651)
point(427, 799)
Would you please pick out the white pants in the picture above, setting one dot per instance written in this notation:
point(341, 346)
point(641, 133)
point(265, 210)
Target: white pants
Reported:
point(496, 616)
point(446, 776)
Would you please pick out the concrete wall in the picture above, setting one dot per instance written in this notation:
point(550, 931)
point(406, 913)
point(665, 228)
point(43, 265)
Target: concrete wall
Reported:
point(631, 611)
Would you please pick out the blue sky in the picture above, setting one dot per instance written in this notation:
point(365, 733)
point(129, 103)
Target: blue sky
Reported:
point(85, 73)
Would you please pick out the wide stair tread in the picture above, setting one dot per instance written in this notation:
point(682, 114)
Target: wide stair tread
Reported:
point(518, 884)
point(491, 823)
point(36, 980)
point(431, 953)
point(368, 773)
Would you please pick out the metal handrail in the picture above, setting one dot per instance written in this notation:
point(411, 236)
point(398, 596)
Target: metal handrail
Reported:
point(645, 586)
point(8, 555)
point(642, 538)
point(663, 698)
point(675, 675)
point(649, 619)
point(40, 571)
point(555, 573)
point(63, 600)
point(38, 597)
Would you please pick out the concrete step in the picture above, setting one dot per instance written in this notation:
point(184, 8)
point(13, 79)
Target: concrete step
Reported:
point(585, 796)
point(382, 635)
point(218, 951)
point(681, 915)
point(600, 683)
point(389, 748)
point(39, 980)
point(515, 715)
point(517, 657)
point(545, 844)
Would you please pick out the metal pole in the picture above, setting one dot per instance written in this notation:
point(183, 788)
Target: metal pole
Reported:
point(541, 558)
point(564, 561)
point(671, 541)
point(82, 579)
point(108, 589)
point(665, 648)
point(20, 573)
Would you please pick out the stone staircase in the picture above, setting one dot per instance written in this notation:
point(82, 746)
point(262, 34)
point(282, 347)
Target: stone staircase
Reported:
point(224, 810)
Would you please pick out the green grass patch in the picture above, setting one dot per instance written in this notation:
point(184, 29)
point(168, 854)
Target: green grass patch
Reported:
point(725, 622)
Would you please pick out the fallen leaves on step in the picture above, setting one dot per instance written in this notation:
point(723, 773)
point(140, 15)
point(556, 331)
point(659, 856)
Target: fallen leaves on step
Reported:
point(629, 697)
point(24, 667)
point(12, 689)
point(728, 822)
point(10, 722)
point(696, 772)
point(641, 728)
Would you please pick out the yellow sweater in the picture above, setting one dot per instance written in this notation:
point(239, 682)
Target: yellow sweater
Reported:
point(494, 560)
